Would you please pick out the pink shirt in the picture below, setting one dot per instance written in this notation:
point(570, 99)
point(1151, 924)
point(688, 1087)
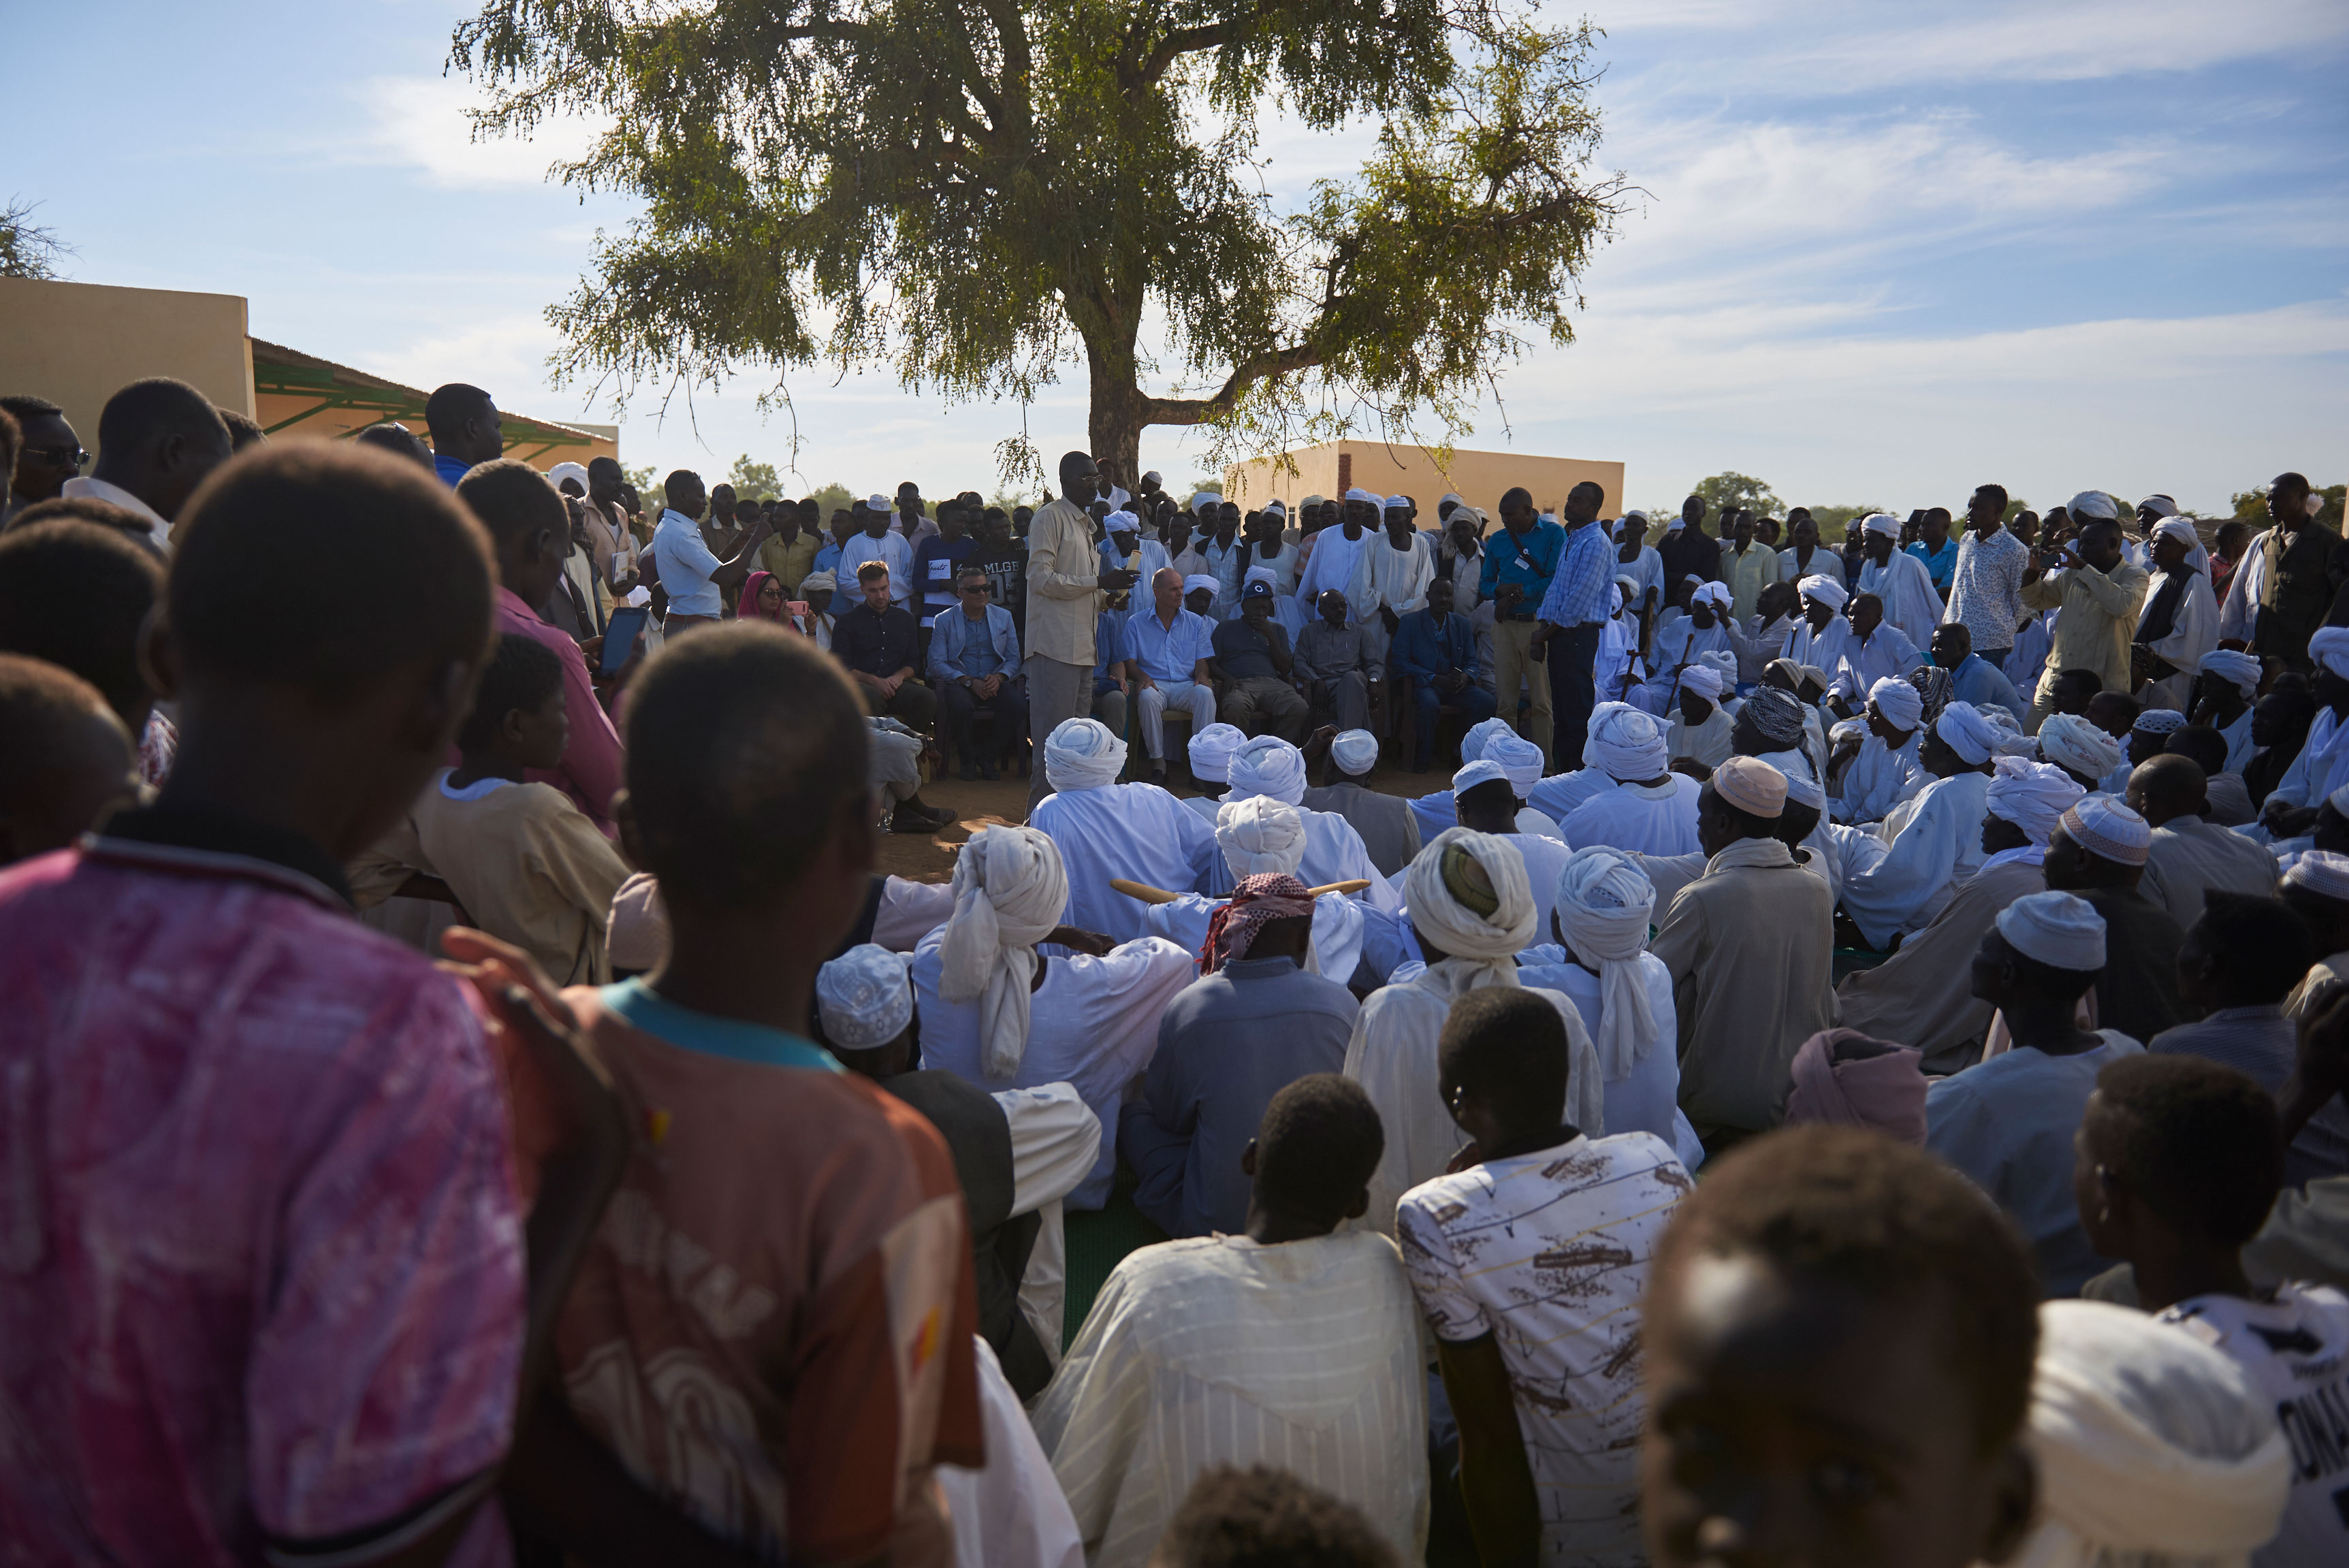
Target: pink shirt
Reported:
point(261, 1263)
point(592, 771)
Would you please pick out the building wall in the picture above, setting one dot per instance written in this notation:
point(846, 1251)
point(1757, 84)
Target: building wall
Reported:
point(79, 344)
point(1478, 478)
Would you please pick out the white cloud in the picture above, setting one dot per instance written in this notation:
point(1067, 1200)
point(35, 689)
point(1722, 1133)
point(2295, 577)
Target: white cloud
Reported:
point(420, 123)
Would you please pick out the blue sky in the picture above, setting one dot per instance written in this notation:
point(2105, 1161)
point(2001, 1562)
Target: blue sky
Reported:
point(1887, 253)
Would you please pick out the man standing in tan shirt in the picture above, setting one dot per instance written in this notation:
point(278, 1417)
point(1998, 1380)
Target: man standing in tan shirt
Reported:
point(2099, 594)
point(1065, 584)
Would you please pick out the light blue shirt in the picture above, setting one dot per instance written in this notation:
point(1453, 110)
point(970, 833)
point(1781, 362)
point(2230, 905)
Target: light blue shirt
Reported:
point(1167, 652)
point(686, 565)
point(959, 647)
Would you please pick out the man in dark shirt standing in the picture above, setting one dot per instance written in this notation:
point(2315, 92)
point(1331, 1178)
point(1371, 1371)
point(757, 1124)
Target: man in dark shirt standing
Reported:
point(1689, 550)
point(1252, 665)
point(877, 641)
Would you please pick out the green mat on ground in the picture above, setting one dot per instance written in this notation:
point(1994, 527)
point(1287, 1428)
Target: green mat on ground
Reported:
point(1097, 1243)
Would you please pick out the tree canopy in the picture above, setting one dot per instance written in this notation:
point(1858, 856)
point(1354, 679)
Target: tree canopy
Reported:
point(1730, 491)
point(977, 195)
point(28, 250)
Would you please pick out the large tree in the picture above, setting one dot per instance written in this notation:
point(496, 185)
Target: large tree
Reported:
point(974, 192)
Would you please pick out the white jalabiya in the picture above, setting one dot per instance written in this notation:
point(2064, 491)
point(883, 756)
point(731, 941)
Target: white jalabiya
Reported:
point(1093, 1024)
point(1337, 941)
point(1011, 1510)
point(1545, 857)
point(1853, 666)
point(1333, 852)
point(1645, 1097)
point(1557, 795)
point(1330, 564)
point(1393, 579)
point(1392, 1052)
point(2193, 632)
point(2241, 746)
point(1611, 668)
point(1904, 584)
point(1938, 847)
point(1137, 831)
point(1672, 647)
point(1212, 1351)
point(1009, 889)
point(1656, 819)
point(1879, 779)
point(1055, 1140)
point(1708, 743)
point(2322, 765)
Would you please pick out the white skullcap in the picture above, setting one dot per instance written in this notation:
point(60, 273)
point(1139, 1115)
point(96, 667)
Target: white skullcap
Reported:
point(2234, 664)
point(2034, 796)
point(2070, 741)
point(2319, 871)
point(1315, 501)
point(1198, 580)
point(2160, 721)
point(1520, 759)
point(1267, 765)
point(560, 472)
point(2329, 646)
point(1355, 751)
point(1010, 890)
point(1358, 494)
point(864, 999)
point(2093, 504)
point(2103, 826)
point(1209, 497)
point(1152, 477)
point(1967, 733)
point(1826, 590)
point(1447, 495)
point(1751, 785)
point(2152, 1446)
point(1715, 593)
point(1898, 701)
point(1625, 744)
point(2061, 930)
point(1604, 903)
point(1211, 751)
point(1261, 837)
point(1882, 522)
point(1273, 505)
point(2160, 505)
point(1805, 791)
point(1401, 501)
point(1484, 771)
point(1701, 679)
point(1486, 943)
point(1121, 523)
point(1635, 512)
point(1473, 743)
point(1082, 754)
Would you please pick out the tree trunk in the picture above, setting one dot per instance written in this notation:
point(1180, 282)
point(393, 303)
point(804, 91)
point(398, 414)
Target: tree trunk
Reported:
point(1118, 412)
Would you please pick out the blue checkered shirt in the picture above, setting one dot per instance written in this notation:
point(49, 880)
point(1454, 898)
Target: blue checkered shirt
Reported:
point(1583, 589)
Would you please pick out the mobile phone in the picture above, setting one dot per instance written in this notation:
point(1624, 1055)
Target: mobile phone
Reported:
point(620, 634)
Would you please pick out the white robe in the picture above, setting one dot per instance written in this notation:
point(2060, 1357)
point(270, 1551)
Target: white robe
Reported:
point(1911, 603)
point(2321, 767)
point(1708, 743)
point(2193, 632)
point(1878, 779)
point(1675, 645)
point(1334, 852)
point(1647, 1098)
point(1138, 831)
point(2034, 640)
point(1611, 669)
point(1055, 1141)
point(1011, 1510)
point(2241, 746)
point(1394, 579)
point(1332, 565)
point(1558, 796)
point(1544, 857)
point(1659, 819)
point(1853, 666)
point(1937, 848)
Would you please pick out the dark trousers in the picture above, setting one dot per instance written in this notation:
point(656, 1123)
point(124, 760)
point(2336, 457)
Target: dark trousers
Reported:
point(915, 704)
point(1475, 703)
point(1573, 653)
point(958, 707)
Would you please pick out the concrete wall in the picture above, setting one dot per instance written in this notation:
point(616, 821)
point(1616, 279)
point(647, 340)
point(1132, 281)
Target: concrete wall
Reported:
point(1478, 478)
point(79, 344)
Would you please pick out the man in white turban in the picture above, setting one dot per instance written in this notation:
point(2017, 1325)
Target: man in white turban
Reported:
point(2080, 748)
point(1700, 720)
point(1434, 811)
point(1864, 646)
point(1472, 910)
point(1335, 553)
point(1901, 581)
point(1389, 830)
point(1874, 765)
point(2179, 622)
point(1558, 796)
point(1924, 994)
point(2322, 765)
point(1211, 751)
point(1104, 830)
point(1604, 906)
point(2223, 697)
point(1487, 803)
point(1092, 1021)
point(1646, 807)
point(1901, 880)
point(2154, 1450)
point(1821, 599)
point(1333, 850)
point(1681, 645)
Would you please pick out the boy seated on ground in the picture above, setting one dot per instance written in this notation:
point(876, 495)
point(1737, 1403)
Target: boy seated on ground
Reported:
point(523, 858)
point(1840, 1336)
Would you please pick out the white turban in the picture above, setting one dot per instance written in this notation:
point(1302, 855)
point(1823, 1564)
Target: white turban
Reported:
point(1882, 522)
point(2103, 826)
point(1701, 679)
point(1898, 701)
point(1486, 867)
point(2034, 796)
point(1269, 766)
point(1967, 733)
point(2321, 872)
point(1473, 743)
point(1674, 525)
point(864, 999)
point(1211, 751)
point(815, 583)
point(1122, 523)
point(560, 472)
point(1826, 590)
point(1275, 505)
point(1604, 903)
point(2160, 505)
point(2329, 646)
point(1010, 890)
point(2061, 930)
point(2234, 664)
point(1205, 497)
point(1520, 759)
point(1260, 836)
point(2151, 1445)
point(1484, 771)
point(2070, 741)
point(1082, 754)
point(1625, 744)
point(1717, 595)
point(1198, 580)
point(1264, 575)
point(1355, 751)
point(2095, 505)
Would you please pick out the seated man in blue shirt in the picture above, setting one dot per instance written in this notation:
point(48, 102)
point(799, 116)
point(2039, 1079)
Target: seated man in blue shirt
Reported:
point(974, 664)
point(1972, 679)
point(1166, 648)
point(1435, 650)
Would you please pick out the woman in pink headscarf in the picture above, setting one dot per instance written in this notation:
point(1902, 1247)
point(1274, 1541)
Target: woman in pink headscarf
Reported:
point(762, 598)
point(1844, 1077)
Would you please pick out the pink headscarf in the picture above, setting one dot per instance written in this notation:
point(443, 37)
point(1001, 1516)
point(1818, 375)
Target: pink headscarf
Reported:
point(1845, 1077)
point(746, 608)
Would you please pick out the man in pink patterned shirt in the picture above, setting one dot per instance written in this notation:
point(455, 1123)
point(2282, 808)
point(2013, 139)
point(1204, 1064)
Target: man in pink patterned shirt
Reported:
point(264, 1283)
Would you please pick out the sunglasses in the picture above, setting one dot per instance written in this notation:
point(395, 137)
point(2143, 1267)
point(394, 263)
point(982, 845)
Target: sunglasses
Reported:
point(59, 456)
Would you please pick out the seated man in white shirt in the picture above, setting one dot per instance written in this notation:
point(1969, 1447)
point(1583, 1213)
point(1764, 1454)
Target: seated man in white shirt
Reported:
point(1875, 767)
point(1894, 884)
point(1646, 807)
point(1701, 723)
point(1487, 803)
point(1165, 648)
point(1863, 649)
point(1333, 850)
point(1104, 830)
point(1293, 1344)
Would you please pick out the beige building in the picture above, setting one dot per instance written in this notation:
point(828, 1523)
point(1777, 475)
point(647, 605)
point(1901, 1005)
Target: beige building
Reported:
point(76, 343)
point(1423, 473)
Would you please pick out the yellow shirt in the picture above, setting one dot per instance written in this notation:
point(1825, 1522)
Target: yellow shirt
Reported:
point(790, 563)
point(1747, 575)
point(2098, 615)
point(529, 867)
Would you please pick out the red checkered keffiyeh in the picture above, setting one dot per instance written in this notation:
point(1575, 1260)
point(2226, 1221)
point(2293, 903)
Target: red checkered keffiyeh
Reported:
point(1258, 899)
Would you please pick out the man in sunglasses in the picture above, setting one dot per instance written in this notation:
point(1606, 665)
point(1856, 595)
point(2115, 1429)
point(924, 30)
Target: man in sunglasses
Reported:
point(51, 454)
point(974, 663)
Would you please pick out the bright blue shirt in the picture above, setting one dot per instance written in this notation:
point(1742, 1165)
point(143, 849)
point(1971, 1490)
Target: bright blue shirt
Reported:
point(1529, 563)
point(1167, 652)
point(1978, 681)
point(1942, 564)
point(1582, 590)
point(450, 469)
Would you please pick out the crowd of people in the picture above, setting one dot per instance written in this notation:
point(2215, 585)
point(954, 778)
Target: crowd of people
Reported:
point(1850, 1070)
